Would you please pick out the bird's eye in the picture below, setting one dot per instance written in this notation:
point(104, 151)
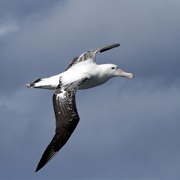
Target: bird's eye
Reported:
point(112, 67)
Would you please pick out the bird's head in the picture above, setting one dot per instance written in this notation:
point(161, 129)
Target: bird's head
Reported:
point(113, 70)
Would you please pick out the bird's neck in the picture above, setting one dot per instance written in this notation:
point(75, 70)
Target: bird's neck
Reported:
point(102, 73)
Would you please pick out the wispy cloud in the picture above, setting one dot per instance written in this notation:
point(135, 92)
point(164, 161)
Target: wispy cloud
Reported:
point(8, 28)
point(127, 126)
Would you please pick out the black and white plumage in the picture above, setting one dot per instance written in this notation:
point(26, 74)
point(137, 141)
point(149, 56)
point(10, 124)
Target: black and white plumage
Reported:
point(67, 119)
point(82, 73)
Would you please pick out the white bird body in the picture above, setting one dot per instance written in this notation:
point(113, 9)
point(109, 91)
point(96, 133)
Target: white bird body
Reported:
point(82, 73)
point(95, 74)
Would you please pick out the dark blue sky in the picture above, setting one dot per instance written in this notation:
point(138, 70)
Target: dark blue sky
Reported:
point(129, 129)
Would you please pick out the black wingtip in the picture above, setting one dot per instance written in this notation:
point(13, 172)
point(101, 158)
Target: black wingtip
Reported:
point(106, 48)
point(51, 150)
point(40, 165)
point(38, 168)
point(46, 157)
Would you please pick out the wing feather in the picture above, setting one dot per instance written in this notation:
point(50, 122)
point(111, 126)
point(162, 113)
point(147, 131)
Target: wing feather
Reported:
point(91, 54)
point(67, 119)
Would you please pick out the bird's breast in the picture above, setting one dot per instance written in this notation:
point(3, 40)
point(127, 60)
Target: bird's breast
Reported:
point(94, 76)
point(92, 82)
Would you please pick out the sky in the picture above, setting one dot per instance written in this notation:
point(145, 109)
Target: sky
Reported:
point(128, 129)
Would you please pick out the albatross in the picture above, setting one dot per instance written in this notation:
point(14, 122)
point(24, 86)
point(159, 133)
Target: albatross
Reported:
point(82, 73)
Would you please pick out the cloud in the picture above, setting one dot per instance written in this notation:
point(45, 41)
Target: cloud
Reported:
point(147, 47)
point(128, 128)
point(5, 29)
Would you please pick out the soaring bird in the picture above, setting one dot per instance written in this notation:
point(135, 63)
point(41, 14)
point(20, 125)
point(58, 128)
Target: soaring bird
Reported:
point(82, 73)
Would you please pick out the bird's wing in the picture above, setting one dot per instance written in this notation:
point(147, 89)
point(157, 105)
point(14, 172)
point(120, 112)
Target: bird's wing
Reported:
point(91, 54)
point(66, 119)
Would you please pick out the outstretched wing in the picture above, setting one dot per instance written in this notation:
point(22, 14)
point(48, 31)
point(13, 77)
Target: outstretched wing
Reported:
point(66, 119)
point(91, 54)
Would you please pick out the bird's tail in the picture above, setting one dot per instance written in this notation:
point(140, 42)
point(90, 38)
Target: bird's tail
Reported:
point(44, 83)
point(34, 84)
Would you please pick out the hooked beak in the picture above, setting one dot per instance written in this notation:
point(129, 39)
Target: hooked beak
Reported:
point(125, 74)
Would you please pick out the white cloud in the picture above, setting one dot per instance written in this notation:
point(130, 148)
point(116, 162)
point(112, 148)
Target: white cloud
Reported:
point(8, 28)
point(18, 102)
